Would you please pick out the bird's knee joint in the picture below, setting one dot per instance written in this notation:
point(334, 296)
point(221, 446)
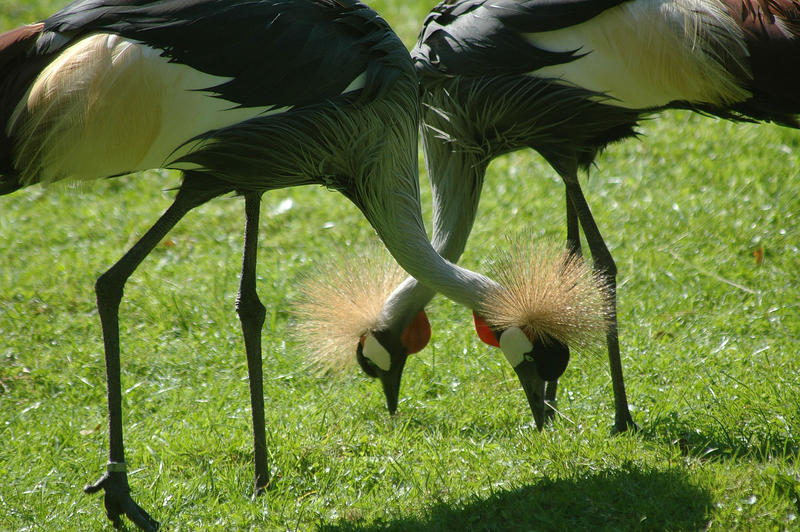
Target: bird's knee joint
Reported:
point(606, 267)
point(108, 288)
point(251, 310)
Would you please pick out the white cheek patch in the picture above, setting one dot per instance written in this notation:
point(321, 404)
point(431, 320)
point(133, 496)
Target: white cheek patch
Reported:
point(378, 354)
point(515, 344)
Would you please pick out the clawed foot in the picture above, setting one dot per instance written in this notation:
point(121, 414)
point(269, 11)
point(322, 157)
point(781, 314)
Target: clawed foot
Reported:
point(623, 425)
point(261, 483)
point(118, 501)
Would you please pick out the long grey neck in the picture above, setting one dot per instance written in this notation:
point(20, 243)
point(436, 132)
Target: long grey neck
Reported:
point(456, 181)
point(415, 254)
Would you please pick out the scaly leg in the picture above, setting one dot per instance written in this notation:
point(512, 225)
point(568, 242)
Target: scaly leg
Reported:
point(251, 314)
point(109, 289)
point(604, 263)
point(574, 245)
point(573, 229)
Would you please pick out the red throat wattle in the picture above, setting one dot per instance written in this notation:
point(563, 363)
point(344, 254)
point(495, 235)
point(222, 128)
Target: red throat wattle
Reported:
point(417, 334)
point(485, 332)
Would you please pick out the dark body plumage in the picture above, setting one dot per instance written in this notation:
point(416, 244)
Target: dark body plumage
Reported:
point(478, 50)
point(568, 77)
point(265, 49)
point(244, 96)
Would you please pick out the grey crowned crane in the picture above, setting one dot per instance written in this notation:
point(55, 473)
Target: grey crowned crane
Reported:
point(242, 96)
point(566, 78)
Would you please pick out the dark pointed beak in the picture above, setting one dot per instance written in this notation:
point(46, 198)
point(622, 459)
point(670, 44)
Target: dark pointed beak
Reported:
point(391, 381)
point(533, 385)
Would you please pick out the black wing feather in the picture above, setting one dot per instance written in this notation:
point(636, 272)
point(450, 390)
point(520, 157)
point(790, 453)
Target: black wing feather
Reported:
point(270, 49)
point(484, 37)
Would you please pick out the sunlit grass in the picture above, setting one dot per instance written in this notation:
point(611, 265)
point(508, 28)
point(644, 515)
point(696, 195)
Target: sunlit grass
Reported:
point(709, 340)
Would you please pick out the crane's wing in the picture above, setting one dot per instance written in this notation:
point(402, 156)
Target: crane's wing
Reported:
point(486, 37)
point(276, 52)
point(172, 71)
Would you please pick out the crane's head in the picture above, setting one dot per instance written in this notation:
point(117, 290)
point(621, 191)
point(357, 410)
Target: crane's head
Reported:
point(550, 301)
point(343, 311)
point(535, 360)
point(383, 355)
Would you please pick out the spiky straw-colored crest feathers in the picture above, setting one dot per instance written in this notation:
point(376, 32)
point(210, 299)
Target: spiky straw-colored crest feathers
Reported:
point(341, 301)
point(547, 291)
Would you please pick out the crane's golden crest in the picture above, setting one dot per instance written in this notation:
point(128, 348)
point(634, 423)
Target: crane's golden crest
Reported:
point(547, 291)
point(341, 301)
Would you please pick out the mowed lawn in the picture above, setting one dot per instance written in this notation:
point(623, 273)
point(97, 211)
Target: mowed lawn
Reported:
point(702, 216)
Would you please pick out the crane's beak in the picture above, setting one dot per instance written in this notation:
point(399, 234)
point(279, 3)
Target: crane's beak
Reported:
point(394, 360)
point(533, 385)
point(534, 361)
point(383, 354)
point(391, 381)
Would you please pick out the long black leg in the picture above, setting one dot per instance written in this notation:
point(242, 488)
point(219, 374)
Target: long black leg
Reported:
point(251, 314)
point(604, 262)
point(109, 288)
point(550, 391)
point(573, 228)
point(573, 245)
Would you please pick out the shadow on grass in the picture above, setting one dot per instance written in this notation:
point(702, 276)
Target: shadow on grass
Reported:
point(627, 498)
point(715, 441)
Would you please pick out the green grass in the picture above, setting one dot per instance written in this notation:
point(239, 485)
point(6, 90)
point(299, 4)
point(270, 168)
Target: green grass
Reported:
point(709, 341)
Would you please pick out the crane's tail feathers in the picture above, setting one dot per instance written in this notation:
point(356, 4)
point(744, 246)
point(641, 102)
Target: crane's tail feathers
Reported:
point(341, 301)
point(14, 43)
point(548, 291)
point(17, 69)
point(771, 33)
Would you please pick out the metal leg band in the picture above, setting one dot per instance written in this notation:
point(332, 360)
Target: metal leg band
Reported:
point(117, 467)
